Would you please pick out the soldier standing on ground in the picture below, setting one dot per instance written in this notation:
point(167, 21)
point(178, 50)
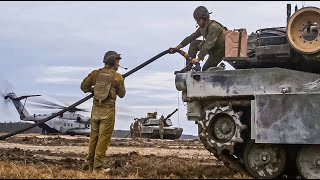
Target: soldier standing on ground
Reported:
point(106, 84)
point(136, 129)
point(161, 127)
point(131, 130)
point(213, 42)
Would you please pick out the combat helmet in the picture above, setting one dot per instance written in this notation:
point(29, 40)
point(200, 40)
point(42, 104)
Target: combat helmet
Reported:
point(201, 12)
point(110, 58)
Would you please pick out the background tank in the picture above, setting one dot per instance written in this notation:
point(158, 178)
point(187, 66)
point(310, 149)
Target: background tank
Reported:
point(263, 116)
point(150, 127)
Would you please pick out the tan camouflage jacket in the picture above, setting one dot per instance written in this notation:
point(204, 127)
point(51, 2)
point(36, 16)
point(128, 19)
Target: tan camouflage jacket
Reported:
point(117, 88)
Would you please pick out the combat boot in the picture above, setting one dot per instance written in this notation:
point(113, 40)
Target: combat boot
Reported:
point(90, 169)
point(188, 67)
point(184, 70)
point(87, 167)
point(101, 171)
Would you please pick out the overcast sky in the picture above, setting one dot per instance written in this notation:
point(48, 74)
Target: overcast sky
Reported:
point(49, 47)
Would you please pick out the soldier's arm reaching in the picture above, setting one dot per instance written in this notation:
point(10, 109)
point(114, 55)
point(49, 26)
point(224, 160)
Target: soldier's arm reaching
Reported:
point(187, 40)
point(121, 90)
point(190, 38)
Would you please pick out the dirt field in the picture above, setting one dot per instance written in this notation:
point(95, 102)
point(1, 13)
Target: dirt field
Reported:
point(42, 156)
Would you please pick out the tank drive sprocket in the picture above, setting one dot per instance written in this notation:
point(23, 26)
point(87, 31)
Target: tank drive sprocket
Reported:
point(221, 129)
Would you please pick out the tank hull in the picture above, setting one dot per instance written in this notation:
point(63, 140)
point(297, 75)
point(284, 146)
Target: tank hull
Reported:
point(153, 132)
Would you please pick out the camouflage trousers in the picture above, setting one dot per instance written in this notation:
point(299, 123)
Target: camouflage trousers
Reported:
point(161, 130)
point(161, 134)
point(136, 133)
point(102, 126)
point(215, 55)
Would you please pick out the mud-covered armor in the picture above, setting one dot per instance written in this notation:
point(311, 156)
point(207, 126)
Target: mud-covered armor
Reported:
point(261, 116)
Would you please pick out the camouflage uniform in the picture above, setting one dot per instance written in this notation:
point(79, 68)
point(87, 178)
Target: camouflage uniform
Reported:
point(136, 129)
point(102, 116)
point(161, 127)
point(213, 43)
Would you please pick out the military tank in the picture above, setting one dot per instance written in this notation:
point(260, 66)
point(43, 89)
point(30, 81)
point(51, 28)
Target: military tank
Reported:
point(150, 127)
point(262, 117)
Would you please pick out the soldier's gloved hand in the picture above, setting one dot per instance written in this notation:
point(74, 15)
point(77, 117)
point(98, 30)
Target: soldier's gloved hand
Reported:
point(172, 50)
point(195, 60)
point(121, 77)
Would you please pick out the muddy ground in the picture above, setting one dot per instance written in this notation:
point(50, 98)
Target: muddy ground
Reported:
point(142, 158)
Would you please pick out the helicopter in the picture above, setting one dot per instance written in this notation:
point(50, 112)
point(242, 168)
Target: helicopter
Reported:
point(69, 123)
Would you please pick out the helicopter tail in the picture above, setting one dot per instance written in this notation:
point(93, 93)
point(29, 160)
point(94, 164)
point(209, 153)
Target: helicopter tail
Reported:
point(17, 103)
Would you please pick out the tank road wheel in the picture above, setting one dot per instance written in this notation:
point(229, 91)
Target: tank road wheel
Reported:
point(221, 129)
point(308, 162)
point(264, 161)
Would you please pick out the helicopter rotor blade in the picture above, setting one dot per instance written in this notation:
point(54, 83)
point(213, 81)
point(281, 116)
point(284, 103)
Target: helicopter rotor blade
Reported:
point(75, 109)
point(45, 102)
point(7, 87)
point(46, 106)
point(66, 102)
point(59, 107)
point(52, 105)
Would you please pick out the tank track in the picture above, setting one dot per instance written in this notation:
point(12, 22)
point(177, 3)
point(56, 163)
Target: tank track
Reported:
point(235, 164)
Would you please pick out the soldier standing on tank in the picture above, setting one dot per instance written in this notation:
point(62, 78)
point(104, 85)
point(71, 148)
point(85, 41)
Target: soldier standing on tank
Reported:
point(213, 42)
point(106, 84)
